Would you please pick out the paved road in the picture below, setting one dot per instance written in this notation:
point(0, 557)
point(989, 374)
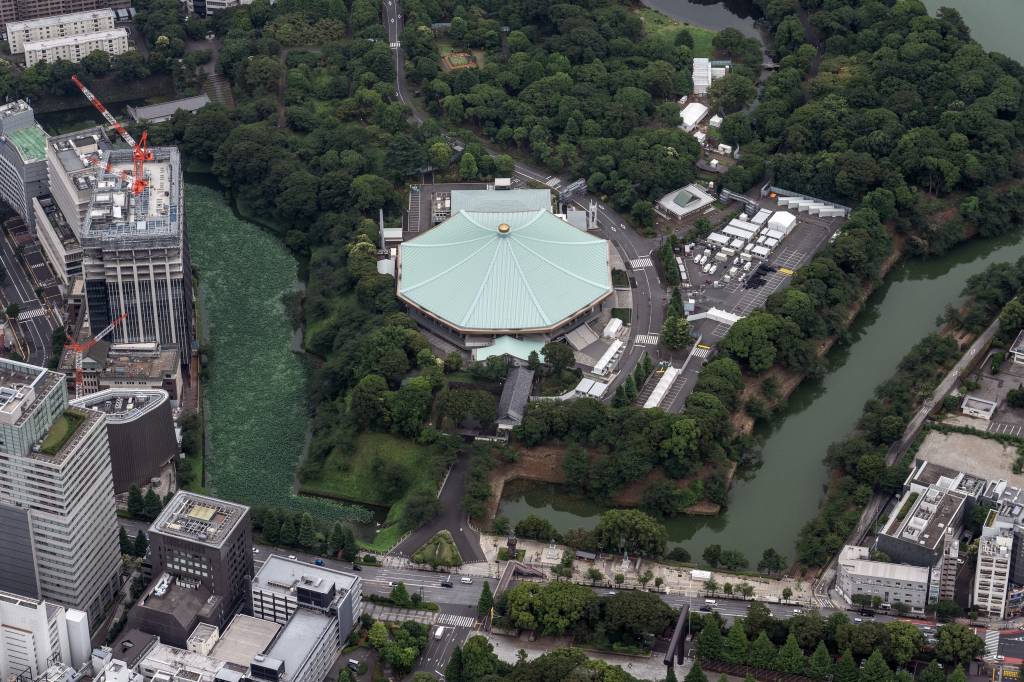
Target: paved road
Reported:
point(36, 326)
point(452, 518)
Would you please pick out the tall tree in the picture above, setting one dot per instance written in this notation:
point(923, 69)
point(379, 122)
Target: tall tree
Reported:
point(846, 669)
point(790, 658)
point(289, 534)
point(876, 669)
point(695, 674)
point(307, 531)
point(124, 541)
point(136, 505)
point(819, 665)
point(958, 644)
point(737, 648)
point(762, 652)
point(151, 505)
point(140, 545)
point(486, 601)
point(710, 645)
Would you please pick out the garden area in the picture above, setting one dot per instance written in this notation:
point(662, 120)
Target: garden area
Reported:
point(667, 28)
point(62, 429)
point(439, 550)
point(255, 386)
point(454, 58)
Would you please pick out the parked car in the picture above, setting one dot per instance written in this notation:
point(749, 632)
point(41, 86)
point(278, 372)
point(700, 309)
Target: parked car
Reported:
point(357, 567)
point(318, 562)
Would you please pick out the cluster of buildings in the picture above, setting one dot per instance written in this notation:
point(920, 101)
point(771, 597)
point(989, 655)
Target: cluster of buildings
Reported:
point(67, 36)
point(918, 547)
point(111, 251)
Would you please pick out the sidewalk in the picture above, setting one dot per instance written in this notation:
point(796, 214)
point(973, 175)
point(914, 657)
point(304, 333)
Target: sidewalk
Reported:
point(674, 579)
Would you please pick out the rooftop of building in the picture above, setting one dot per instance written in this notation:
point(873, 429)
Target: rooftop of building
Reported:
point(18, 106)
point(117, 217)
point(15, 26)
point(857, 560)
point(64, 434)
point(22, 387)
point(61, 41)
point(166, 109)
point(181, 664)
point(59, 222)
point(72, 151)
point(128, 362)
point(297, 639)
point(18, 600)
point(132, 645)
point(515, 394)
point(921, 518)
point(505, 271)
point(181, 598)
point(492, 200)
point(30, 142)
point(244, 639)
point(123, 405)
point(198, 518)
point(928, 474)
point(284, 576)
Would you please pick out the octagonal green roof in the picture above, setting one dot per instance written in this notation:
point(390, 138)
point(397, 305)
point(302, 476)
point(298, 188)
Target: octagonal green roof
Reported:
point(504, 271)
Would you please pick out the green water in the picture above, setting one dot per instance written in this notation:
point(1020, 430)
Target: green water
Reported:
point(254, 392)
point(996, 24)
point(769, 509)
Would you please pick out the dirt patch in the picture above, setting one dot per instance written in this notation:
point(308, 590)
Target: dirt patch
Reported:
point(544, 464)
point(983, 457)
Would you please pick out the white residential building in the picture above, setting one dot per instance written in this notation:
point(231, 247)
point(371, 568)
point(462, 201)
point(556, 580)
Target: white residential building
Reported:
point(857, 574)
point(992, 575)
point(35, 635)
point(19, 33)
point(73, 48)
point(58, 522)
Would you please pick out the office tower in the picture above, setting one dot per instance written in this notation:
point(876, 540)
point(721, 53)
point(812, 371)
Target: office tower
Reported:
point(22, 158)
point(35, 635)
point(58, 523)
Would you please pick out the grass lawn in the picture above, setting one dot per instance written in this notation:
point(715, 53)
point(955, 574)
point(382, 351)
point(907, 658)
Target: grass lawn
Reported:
point(63, 428)
point(350, 475)
point(657, 24)
point(439, 550)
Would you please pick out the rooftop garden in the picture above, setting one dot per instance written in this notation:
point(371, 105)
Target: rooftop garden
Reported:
point(61, 431)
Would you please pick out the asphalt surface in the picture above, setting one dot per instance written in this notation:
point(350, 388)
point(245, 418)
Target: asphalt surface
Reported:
point(34, 322)
point(452, 518)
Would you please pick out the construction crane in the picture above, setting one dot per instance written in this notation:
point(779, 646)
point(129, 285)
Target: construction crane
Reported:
point(80, 349)
point(140, 149)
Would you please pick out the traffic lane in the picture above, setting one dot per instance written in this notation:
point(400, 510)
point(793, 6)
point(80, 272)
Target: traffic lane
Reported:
point(1012, 646)
point(438, 652)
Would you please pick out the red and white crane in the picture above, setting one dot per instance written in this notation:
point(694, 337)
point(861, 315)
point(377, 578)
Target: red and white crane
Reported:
point(140, 149)
point(79, 349)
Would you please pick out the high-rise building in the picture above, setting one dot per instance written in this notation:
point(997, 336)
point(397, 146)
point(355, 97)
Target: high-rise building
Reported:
point(35, 635)
point(58, 522)
point(992, 573)
point(201, 557)
point(136, 258)
point(46, 28)
point(22, 158)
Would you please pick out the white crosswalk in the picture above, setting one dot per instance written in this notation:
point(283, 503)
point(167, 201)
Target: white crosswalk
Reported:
point(642, 262)
point(457, 621)
point(396, 44)
point(701, 352)
point(29, 314)
point(647, 339)
point(991, 642)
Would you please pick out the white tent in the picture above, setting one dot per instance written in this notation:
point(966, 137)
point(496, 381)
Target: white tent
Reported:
point(783, 221)
point(692, 114)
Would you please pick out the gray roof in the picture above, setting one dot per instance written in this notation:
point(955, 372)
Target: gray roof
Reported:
point(198, 518)
point(244, 638)
point(514, 395)
point(167, 109)
point(298, 638)
point(278, 574)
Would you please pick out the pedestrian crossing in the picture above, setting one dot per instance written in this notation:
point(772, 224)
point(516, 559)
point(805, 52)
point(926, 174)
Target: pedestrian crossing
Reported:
point(396, 44)
point(991, 642)
point(456, 621)
point(647, 339)
point(642, 262)
point(29, 314)
point(701, 351)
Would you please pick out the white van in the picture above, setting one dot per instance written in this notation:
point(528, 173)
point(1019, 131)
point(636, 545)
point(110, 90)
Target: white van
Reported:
point(466, 580)
point(439, 632)
point(711, 602)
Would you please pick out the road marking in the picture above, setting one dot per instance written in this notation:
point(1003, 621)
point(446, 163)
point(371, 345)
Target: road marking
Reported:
point(642, 262)
point(647, 339)
point(457, 621)
point(396, 44)
point(29, 314)
point(701, 351)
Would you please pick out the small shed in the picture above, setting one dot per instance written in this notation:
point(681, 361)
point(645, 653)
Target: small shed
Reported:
point(715, 121)
point(692, 114)
point(972, 406)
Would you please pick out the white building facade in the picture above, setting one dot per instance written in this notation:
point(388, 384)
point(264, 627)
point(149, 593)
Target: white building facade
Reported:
point(992, 573)
point(73, 48)
point(857, 574)
point(35, 635)
point(20, 33)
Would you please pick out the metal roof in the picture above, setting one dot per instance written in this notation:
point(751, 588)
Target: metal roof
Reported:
point(507, 345)
point(504, 271)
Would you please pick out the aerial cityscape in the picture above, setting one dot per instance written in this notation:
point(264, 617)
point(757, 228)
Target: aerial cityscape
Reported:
point(595, 341)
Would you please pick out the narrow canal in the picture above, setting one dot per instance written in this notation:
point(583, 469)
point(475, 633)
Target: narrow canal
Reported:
point(769, 508)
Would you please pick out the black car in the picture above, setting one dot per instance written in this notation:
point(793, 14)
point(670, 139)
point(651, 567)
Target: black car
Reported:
point(356, 567)
point(446, 583)
point(706, 609)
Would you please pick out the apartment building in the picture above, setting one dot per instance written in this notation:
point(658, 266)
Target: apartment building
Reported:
point(22, 159)
point(992, 573)
point(20, 33)
point(73, 48)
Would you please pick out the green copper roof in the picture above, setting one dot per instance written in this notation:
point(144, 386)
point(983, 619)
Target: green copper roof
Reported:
point(508, 345)
point(30, 141)
point(537, 273)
